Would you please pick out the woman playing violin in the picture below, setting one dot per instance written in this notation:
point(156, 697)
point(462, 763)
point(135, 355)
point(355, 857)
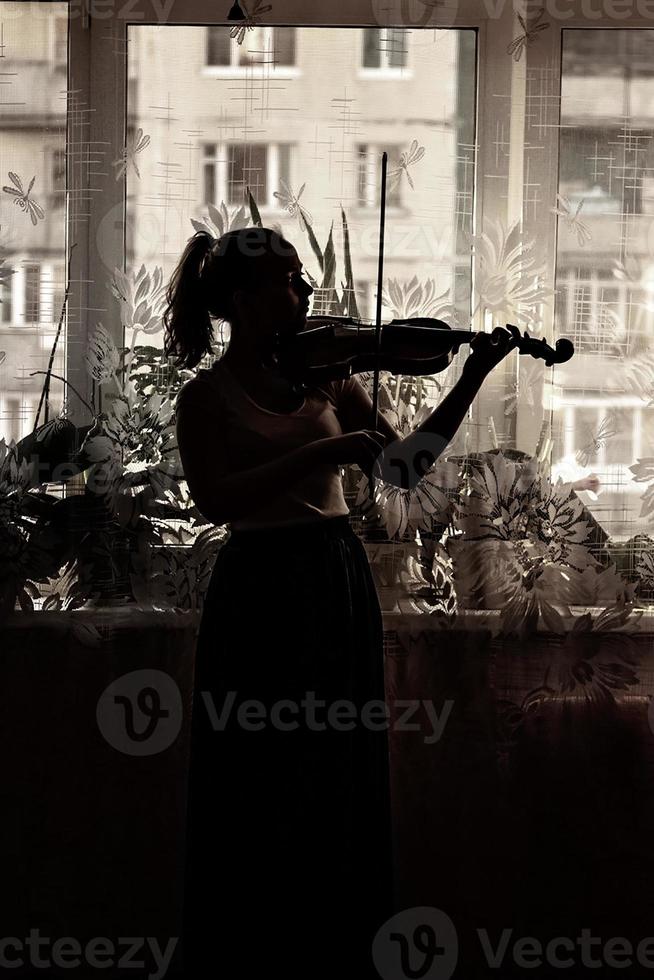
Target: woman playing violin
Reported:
point(289, 845)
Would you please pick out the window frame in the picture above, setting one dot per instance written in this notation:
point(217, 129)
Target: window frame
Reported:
point(57, 23)
point(98, 77)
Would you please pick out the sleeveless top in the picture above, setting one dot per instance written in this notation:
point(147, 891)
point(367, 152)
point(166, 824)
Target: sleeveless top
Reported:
point(251, 436)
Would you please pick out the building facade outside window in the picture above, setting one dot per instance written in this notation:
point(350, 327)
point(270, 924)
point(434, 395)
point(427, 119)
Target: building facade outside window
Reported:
point(272, 46)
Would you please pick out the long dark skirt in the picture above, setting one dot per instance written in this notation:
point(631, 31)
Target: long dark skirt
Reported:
point(289, 843)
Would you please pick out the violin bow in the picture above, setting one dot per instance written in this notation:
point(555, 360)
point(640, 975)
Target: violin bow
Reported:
point(380, 273)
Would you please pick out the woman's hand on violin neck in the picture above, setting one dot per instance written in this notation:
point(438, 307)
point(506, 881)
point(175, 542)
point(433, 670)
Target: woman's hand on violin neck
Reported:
point(488, 349)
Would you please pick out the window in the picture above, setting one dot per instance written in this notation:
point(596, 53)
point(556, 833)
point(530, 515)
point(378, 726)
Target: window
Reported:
point(590, 52)
point(6, 311)
point(35, 120)
point(273, 46)
point(247, 166)
point(219, 46)
point(385, 47)
point(14, 419)
point(592, 309)
point(229, 169)
point(618, 449)
point(316, 141)
point(58, 178)
point(55, 295)
point(604, 265)
point(32, 293)
point(605, 168)
point(369, 176)
point(209, 182)
point(585, 132)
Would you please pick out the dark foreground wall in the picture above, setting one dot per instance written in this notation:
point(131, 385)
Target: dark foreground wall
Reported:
point(531, 810)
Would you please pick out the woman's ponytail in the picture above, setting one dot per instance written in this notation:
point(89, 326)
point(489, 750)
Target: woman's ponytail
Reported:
point(188, 331)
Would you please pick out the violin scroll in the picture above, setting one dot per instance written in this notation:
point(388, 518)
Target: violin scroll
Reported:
point(562, 351)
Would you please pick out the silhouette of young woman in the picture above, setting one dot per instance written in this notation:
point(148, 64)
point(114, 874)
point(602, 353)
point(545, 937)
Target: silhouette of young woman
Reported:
point(289, 847)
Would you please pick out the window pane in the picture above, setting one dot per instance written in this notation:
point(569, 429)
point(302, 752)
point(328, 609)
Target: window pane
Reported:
point(218, 46)
point(592, 52)
point(284, 151)
point(58, 179)
point(247, 165)
point(32, 222)
point(284, 45)
point(369, 175)
point(32, 293)
point(396, 46)
point(256, 47)
point(362, 174)
point(5, 298)
point(209, 184)
point(318, 135)
point(371, 48)
point(605, 273)
point(307, 132)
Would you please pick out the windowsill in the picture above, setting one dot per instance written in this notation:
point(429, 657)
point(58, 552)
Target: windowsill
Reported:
point(405, 617)
point(385, 74)
point(37, 327)
point(114, 617)
point(252, 71)
point(265, 210)
point(131, 616)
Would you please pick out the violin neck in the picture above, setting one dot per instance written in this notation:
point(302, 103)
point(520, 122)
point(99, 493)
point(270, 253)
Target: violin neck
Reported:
point(429, 325)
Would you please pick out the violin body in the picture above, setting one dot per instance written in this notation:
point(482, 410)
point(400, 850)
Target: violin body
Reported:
point(334, 348)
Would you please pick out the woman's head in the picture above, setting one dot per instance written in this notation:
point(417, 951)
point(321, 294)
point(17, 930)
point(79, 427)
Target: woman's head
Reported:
point(250, 277)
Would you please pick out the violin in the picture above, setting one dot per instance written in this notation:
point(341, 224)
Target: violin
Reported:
point(336, 347)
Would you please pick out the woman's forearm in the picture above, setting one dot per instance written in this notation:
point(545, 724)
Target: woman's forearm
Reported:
point(450, 413)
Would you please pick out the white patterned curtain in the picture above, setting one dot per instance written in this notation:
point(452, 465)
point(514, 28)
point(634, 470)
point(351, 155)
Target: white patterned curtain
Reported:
point(515, 195)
